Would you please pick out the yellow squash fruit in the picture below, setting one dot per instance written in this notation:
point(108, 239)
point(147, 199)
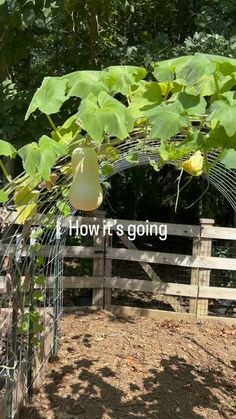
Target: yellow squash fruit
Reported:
point(85, 192)
point(194, 166)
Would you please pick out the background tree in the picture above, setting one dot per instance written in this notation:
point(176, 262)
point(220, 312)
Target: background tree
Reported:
point(42, 37)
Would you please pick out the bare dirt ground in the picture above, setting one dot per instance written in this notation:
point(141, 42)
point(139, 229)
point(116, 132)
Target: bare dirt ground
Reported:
point(114, 367)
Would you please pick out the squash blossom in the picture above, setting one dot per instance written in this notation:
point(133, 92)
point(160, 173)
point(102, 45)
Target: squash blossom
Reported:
point(194, 165)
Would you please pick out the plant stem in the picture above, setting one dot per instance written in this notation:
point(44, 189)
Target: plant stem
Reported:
point(167, 92)
point(178, 189)
point(5, 171)
point(216, 84)
point(54, 128)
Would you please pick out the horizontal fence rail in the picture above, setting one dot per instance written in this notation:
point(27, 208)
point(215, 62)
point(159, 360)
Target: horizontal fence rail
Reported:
point(200, 263)
point(163, 288)
point(183, 230)
point(83, 252)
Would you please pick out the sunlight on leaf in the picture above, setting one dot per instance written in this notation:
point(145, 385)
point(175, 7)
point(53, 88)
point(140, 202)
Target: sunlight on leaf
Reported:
point(49, 97)
point(6, 149)
point(26, 203)
point(3, 196)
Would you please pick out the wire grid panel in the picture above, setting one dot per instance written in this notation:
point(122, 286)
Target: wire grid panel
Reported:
point(31, 303)
point(223, 278)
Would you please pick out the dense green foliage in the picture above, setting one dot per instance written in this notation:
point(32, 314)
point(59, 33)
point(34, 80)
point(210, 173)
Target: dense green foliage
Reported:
point(41, 38)
point(188, 106)
point(55, 38)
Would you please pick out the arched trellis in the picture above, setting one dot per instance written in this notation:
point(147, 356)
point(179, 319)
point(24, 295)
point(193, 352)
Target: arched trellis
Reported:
point(223, 179)
point(20, 239)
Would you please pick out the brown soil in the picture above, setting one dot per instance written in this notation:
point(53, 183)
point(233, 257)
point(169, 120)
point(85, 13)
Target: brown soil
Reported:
point(113, 367)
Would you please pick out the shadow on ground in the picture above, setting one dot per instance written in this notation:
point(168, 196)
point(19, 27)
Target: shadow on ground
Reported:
point(176, 390)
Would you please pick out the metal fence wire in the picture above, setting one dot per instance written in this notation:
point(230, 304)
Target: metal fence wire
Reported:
point(31, 302)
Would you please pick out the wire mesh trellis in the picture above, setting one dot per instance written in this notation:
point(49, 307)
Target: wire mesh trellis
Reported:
point(34, 250)
point(31, 300)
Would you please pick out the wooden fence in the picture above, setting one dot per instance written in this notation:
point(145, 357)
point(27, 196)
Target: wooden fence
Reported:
point(200, 262)
point(198, 291)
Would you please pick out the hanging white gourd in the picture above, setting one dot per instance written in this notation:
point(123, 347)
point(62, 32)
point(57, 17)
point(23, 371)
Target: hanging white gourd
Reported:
point(85, 192)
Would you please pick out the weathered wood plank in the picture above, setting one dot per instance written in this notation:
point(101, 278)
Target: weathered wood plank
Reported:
point(68, 251)
point(173, 259)
point(217, 293)
point(68, 282)
point(99, 263)
point(184, 230)
point(82, 282)
point(108, 270)
point(203, 277)
point(164, 315)
point(153, 314)
point(167, 288)
point(223, 233)
point(194, 275)
point(152, 275)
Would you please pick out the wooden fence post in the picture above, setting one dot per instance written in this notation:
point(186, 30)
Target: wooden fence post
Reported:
point(200, 276)
point(98, 263)
point(108, 272)
point(194, 275)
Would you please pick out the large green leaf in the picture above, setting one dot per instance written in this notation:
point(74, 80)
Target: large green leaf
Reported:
point(82, 83)
point(68, 130)
point(194, 105)
point(49, 97)
point(225, 114)
point(50, 152)
point(164, 71)
point(220, 59)
point(195, 68)
point(144, 97)
point(6, 149)
point(205, 86)
point(217, 138)
point(30, 155)
point(229, 159)
point(39, 158)
point(167, 120)
point(230, 97)
point(226, 83)
point(104, 115)
point(227, 68)
point(118, 79)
